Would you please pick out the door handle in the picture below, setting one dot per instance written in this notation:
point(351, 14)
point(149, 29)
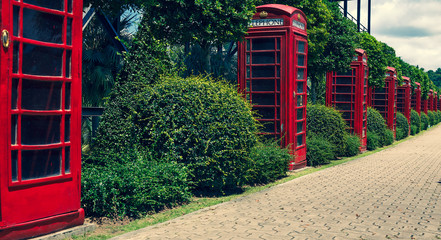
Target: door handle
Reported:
point(5, 38)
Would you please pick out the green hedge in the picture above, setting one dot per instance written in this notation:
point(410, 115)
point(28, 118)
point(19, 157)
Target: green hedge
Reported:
point(352, 145)
point(415, 122)
point(372, 141)
point(377, 125)
point(402, 126)
point(432, 118)
point(424, 121)
point(320, 151)
point(327, 123)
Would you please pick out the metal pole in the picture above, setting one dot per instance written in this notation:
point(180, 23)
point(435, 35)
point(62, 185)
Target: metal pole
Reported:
point(369, 16)
point(345, 7)
point(358, 14)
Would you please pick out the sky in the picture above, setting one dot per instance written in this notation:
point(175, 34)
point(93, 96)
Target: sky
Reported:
point(411, 27)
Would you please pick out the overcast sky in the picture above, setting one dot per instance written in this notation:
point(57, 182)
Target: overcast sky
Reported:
point(411, 27)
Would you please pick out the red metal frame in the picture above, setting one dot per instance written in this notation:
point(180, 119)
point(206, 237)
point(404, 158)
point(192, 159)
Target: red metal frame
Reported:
point(435, 102)
point(425, 105)
point(416, 98)
point(347, 92)
point(430, 100)
point(272, 74)
point(384, 99)
point(403, 98)
point(40, 173)
point(439, 103)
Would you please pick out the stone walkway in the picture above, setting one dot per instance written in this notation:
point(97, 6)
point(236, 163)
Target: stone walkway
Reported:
point(393, 194)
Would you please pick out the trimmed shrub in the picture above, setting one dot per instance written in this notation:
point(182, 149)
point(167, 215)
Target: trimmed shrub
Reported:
point(415, 121)
point(377, 125)
point(388, 137)
point(372, 141)
point(132, 186)
point(268, 163)
point(327, 123)
point(352, 145)
point(402, 126)
point(432, 118)
point(320, 151)
point(424, 121)
point(438, 116)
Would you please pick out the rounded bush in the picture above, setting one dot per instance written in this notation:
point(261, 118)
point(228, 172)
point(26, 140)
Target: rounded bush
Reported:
point(377, 125)
point(202, 123)
point(402, 126)
point(372, 141)
point(320, 151)
point(269, 162)
point(432, 118)
point(352, 145)
point(388, 137)
point(415, 121)
point(424, 121)
point(327, 123)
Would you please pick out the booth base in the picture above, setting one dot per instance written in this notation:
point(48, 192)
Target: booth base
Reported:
point(297, 165)
point(42, 226)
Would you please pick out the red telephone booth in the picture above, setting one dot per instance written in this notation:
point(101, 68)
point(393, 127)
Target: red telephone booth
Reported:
point(416, 98)
point(403, 98)
point(384, 99)
point(435, 102)
point(425, 105)
point(40, 111)
point(272, 63)
point(439, 103)
point(430, 100)
point(347, 92)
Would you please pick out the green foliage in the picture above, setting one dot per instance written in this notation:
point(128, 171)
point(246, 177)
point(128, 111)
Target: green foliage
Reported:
point(424, 121)
point(388, 138)
point(327, 123)
point(352, 145)
point(438, 116)
point(377, 125)
point(320, 151)
point(132, 185)
point(415, 121)
point(268, 163)
point(432, 118)
point(372, 141)
point(435, 76)
point(402, 126)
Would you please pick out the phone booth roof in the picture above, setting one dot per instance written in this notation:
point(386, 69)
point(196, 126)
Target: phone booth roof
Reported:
point(406, 80)
point(278, 15)
point(418, 85)
point(430, 91)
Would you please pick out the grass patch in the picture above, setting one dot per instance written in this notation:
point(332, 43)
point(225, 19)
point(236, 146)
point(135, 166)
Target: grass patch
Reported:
point(108, 231)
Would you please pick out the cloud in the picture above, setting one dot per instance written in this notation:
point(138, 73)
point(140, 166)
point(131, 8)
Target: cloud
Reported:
point(405, 31)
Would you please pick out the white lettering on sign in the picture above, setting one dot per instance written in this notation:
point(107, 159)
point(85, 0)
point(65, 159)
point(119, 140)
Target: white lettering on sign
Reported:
point(267, 22)
point(298, 24)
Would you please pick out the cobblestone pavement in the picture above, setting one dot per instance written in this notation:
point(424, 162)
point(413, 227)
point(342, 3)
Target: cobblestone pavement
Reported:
point(392, 194)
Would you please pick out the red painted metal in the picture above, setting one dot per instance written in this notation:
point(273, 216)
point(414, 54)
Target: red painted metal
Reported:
point(439, 103)
point(347, 92)
point(416, 98)
point(40, 109)
point(430, 100)
point(425, 106)
point(384, 99)
point(272, 75)
point(435, 102)
point(403, 99)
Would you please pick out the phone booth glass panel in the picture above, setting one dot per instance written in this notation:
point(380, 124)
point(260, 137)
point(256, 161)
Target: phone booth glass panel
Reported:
point(416, 98)
point(384, 99)
point(347, 92)
point(41, 107)
point(272, 73)
point(403, 98)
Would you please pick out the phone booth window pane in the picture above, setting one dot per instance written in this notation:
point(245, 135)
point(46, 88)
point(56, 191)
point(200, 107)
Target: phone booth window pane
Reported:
point(52, 4)
point(299, 140)
point(265, 113)
point(264, 44)
point(300, 114)
point(67, 96)
point(69, 31)
point(67, 160)
point(43, 61)
point(69, 6)
point(301, 60)
point(299, 127)
point(39, 130)
point(263, 99)
point(300, 86)
point(14, 93)
point(67, 128)
point(42, 26)
point(301, 47)
point(263, 85)
point(299, 100)
point(268, 127)
point(278, 43)
point(263, 71)
point(41, 95)
point(248, 58)
point(14, 120)
point(14, 164)
point(344, 80)
point(300, 73)
point(40, 163)
point(15, 57)
point(264, 58)
point(16, 21)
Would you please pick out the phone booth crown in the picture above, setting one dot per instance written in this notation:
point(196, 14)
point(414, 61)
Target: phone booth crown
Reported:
point(272, 73)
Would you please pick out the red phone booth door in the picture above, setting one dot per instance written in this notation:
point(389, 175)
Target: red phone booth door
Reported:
point(263, 81)
point(43, 88)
